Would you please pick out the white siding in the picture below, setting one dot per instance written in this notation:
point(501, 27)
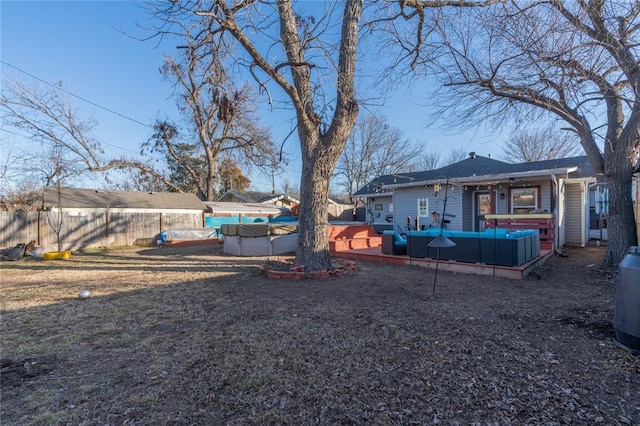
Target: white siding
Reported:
point(575, 214)
point(561, 215)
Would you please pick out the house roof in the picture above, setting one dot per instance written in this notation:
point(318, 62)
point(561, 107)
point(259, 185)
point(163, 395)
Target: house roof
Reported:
point(331, 199)
point(476, 168)
point(93, 199)
point(256, 196)
point(231, 207)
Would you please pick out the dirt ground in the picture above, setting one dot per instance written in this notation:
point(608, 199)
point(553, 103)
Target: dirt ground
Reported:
point(191, 336)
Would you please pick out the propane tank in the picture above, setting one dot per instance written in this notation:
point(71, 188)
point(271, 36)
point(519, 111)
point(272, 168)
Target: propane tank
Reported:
point(626, 317)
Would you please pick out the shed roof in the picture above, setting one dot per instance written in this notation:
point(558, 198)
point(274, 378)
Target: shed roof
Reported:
point(231, 207)
point(93, 198)
point(256, 196)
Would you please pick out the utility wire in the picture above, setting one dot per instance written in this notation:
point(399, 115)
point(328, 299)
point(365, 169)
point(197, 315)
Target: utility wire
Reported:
point(102, 107)
point(76, 96)
point(27, 137)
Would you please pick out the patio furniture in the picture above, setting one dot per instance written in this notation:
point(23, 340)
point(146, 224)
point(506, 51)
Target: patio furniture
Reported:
point(393, 243)
point(491, 247)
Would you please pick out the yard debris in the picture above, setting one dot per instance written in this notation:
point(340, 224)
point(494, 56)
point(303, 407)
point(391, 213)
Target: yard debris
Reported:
point(15, 253)
point(18, 252)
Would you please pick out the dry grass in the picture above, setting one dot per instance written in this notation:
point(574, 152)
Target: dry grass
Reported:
point(190, 336)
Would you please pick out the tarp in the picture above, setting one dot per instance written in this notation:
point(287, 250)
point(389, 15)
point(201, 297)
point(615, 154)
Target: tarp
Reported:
point(258, 229)
point(183, 234)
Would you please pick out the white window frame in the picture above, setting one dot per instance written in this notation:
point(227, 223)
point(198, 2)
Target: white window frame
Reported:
point(423, 207)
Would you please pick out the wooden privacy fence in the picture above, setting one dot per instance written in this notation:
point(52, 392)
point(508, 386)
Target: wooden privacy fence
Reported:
point(91, 229)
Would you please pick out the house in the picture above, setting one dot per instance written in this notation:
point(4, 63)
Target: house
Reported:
point(461, 195)
point(338, 210)
point(256, 197)
point(78, 201)
point(90, 216)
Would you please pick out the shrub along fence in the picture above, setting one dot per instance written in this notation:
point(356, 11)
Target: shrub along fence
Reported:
point(91, 229)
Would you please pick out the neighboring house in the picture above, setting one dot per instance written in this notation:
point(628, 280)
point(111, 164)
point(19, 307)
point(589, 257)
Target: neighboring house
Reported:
point(107, 217)
point(75, 200)
point(341, 210)
point(338, 210)
point(255, 197)
point(479, 186)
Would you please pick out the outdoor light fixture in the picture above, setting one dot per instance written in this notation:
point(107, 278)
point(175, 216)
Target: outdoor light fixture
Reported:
point(441, 242)
point(502, 195)
point(436, 189)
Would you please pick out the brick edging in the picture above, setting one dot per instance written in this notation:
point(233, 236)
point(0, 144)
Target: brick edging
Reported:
point(297, 272)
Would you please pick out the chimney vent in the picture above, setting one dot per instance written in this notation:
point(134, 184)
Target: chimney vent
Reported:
point(472, 155)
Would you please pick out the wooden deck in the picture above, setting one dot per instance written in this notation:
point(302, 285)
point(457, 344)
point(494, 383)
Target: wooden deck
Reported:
point(374, 254)
point(358, 242)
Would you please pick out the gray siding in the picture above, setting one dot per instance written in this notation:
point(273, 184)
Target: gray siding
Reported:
point(467, 210)
point(460, 203)
point(406, 205)
point(379, 216)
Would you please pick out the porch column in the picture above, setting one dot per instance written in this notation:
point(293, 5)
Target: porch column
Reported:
point(492, 206)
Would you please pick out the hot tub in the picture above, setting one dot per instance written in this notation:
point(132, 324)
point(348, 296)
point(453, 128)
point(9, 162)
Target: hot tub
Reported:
point(259, 239)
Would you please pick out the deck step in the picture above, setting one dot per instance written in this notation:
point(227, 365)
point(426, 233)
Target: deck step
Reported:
point(350, 237)
point(354, 243)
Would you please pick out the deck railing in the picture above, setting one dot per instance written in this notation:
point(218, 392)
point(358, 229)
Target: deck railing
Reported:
point(544, 222)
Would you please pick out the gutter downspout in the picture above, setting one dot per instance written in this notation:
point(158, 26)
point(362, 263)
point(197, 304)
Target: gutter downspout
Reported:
point(556, 213)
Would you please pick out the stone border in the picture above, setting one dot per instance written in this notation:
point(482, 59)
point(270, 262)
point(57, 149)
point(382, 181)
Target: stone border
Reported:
point(297, 272)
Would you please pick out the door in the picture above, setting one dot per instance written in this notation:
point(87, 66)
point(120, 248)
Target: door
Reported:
point(481, 207)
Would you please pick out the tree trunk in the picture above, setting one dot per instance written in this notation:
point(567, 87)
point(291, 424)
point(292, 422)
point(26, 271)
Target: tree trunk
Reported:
point(313, 239)
point(621, 226)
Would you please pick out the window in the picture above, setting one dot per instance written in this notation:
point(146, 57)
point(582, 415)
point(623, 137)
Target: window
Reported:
point(423, 207)
point(523, 200)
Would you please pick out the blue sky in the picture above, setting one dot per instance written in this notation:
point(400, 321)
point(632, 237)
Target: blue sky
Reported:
point(84, 45)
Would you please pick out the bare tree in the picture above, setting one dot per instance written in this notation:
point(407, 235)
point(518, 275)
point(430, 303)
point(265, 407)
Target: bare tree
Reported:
point(314, 64)
point(54, 123)
point(539, 144)
point(454, 155)
point(26, 196)
point(219, 119)
point(137, 180)
point(430, 160)
point(51, 119)
point(577, 61)
point(289, 188)
point(62, 170)
point(374, 148)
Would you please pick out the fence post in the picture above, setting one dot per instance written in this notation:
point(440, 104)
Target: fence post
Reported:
point(39, 228)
